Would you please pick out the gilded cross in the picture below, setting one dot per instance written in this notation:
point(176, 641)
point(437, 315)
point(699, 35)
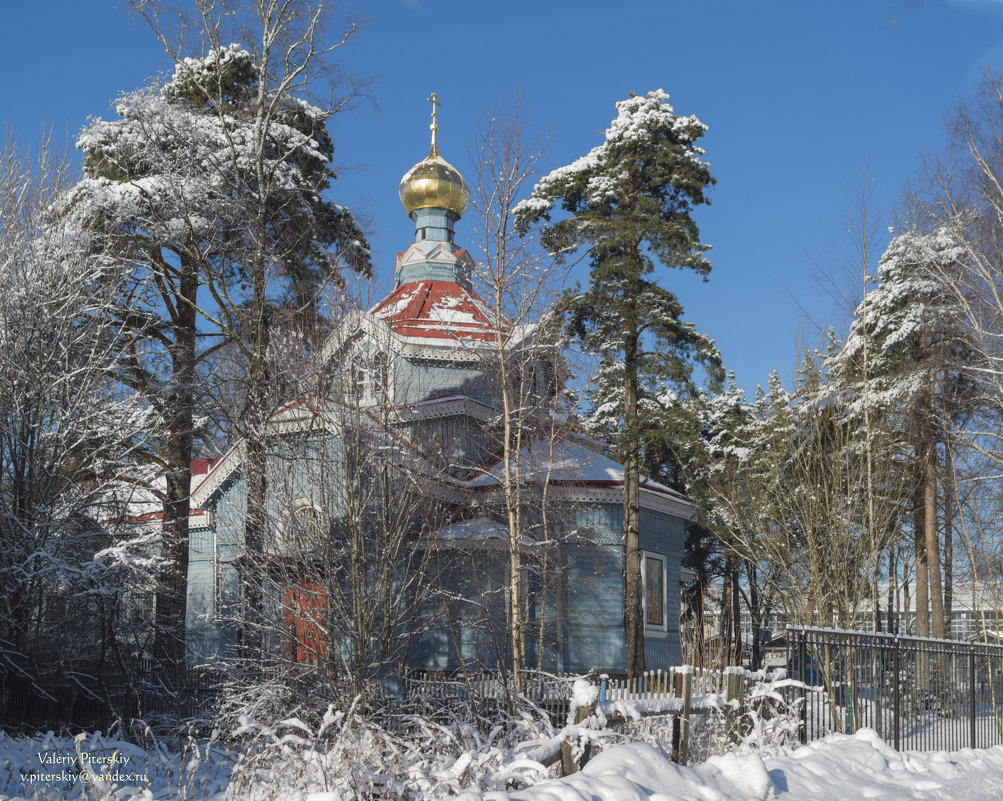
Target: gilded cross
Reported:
point(434, 100)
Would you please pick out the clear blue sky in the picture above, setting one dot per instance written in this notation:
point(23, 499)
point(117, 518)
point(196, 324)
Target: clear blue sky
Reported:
point(800, 98)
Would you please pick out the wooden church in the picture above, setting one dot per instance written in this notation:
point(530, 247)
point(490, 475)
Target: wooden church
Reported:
point(389, 533)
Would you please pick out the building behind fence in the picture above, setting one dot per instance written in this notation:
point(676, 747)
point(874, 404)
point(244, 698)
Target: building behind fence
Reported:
point(918, 694)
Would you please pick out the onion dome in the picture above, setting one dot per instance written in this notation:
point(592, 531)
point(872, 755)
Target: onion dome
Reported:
point(434, 183)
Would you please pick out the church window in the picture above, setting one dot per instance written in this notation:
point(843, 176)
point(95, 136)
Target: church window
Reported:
point(653, 587)
point(301, 529)
point(359, 386)
point(380, 374)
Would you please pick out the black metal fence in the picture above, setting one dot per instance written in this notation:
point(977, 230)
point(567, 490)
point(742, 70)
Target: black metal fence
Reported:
point(918, 694)
point(83, 698)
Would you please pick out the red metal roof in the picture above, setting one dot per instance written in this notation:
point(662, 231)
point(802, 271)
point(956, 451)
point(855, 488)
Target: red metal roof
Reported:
point(200, 466)
point(438, 310)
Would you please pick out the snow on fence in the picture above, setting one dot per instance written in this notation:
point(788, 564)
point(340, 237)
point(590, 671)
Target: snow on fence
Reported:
point(676, 694)
point(664, 702)
point(918, 694)
point(440, 696)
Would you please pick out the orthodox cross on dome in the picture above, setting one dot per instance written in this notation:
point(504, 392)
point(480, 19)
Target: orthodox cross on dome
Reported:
point(434, 100)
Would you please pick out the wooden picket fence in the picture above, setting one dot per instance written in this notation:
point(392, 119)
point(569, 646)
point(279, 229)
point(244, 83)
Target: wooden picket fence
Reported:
point(674, 695)
point(440, 697)
point(662, 683)
point(677, 693)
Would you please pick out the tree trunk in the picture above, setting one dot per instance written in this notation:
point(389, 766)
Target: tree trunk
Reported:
point(922, 625)
point(172, 588)
point(892, 581)
point(699, 643)
point(948, 540)
point(633, 622)
point(931, 536)
point(511, 428)
point(255, 422)
point(515, 613)
point(755, 615)
point(725, 635)
point(736, 614)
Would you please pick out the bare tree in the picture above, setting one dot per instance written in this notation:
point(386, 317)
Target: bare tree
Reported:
point(525, 357)
point(796, 507)
point(960, 192)
point(64, 429)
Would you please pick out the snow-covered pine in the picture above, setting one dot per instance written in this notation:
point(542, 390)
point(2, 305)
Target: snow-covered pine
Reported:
point(910, 320)
point(781, 483)
point(919, 358)
point(206, 191)
point(629, 201)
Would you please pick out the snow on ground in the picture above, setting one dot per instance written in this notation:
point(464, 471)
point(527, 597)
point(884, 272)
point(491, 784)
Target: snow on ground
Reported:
point(837, 768)
point(90, 767)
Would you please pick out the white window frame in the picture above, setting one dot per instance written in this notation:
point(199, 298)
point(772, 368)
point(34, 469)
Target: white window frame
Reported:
point(289, 523)
point(645, 555)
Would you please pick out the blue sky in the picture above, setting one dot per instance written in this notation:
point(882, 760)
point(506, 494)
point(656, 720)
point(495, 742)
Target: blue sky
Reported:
point(801, 98)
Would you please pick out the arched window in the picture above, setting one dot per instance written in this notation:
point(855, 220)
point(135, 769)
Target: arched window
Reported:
point(301, 529)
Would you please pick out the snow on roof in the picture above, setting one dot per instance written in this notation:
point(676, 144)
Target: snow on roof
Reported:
point(569, 461)
point(438, 310)
point(479, 529)
point(138, 499)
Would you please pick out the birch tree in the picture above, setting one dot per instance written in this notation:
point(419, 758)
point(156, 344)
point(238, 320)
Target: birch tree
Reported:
point(525, 364)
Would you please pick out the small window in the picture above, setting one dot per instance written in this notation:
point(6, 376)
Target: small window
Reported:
point(301, 530)
point(360, 380)
point(653, 589)
point(381, 375)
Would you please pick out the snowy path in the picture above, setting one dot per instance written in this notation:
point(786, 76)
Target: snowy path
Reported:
point(838, 768)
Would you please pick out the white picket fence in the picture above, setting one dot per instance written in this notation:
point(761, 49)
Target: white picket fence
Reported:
point(663, 683)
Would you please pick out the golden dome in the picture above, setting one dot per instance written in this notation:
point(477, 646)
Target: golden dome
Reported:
point(434, 183)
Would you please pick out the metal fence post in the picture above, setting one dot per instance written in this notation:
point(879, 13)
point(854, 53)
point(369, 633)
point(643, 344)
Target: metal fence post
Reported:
point(896, 682)
point(971, 692)
point(803, 668)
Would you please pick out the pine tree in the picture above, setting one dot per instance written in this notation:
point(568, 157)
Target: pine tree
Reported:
point(629, 201)
point(171, 187)
point(917, 365)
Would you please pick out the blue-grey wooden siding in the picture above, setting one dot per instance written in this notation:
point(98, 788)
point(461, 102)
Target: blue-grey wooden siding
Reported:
point(585, 629)
point(424, 379)
point(664, 535)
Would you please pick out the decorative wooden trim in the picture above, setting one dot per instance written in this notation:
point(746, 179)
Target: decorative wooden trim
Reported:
point(649, 499)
